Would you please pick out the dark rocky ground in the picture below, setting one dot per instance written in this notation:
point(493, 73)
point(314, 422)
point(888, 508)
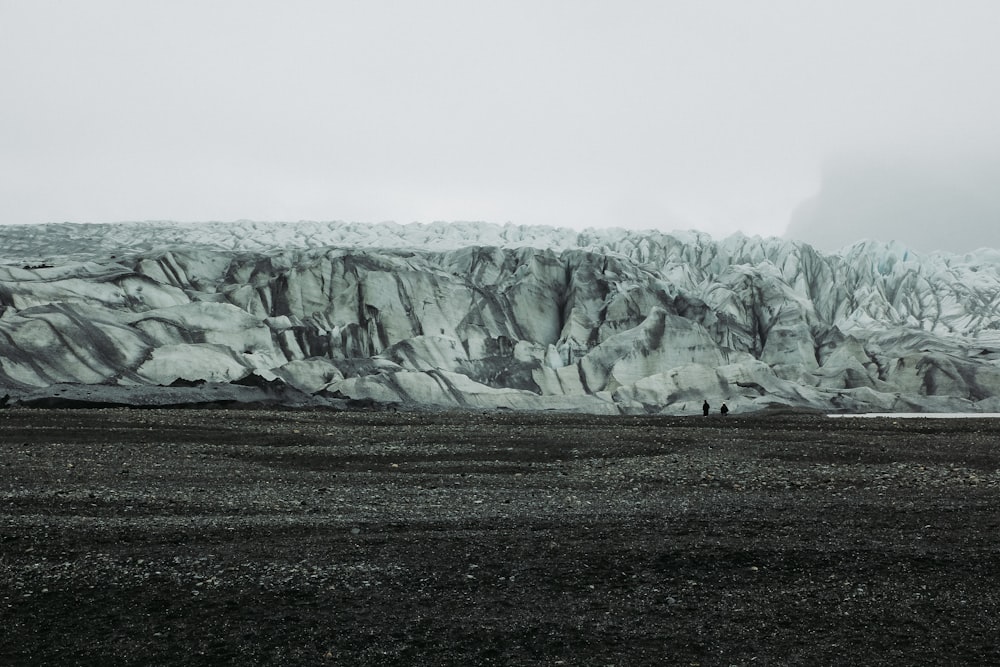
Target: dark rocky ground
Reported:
point(184, 537)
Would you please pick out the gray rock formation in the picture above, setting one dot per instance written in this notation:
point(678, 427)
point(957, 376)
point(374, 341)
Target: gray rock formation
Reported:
point(483, 316)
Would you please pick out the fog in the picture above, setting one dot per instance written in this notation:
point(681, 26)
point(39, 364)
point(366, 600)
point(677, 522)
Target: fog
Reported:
point(929, 204)
point(717, 116)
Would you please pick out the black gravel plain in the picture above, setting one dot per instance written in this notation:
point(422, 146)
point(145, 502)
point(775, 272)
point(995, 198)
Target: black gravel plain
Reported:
point(266, 537)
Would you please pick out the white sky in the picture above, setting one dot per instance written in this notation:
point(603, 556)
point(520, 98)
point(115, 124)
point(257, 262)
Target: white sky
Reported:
point(715, 115)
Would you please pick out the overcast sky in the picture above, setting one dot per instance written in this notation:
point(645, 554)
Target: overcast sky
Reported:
point(714, 115)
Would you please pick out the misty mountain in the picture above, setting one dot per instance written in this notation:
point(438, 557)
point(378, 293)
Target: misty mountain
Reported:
point(471, 315)
point(950, 205)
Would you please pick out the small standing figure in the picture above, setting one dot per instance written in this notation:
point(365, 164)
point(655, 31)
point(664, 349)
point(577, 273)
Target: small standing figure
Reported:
point(705, 408)
point(724, 410)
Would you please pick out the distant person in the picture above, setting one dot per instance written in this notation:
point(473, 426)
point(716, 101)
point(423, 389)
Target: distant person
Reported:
point(724, 410)
point(705, 408)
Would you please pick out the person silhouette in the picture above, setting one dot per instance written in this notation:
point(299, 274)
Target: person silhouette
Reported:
point(705, 408)
point(724, 410)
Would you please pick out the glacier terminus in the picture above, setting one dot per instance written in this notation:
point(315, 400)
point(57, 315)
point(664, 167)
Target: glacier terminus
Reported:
point(482, 316)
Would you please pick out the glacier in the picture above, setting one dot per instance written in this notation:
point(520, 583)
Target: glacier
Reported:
point(484, 316)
